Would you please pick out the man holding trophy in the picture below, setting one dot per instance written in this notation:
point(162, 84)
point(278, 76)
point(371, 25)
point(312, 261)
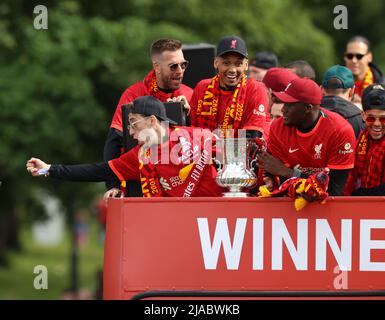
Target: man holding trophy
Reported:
point(237, 107)
point(169, 161)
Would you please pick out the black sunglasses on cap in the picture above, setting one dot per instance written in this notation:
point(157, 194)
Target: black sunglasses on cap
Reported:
point(174, 66)
point(359, 56)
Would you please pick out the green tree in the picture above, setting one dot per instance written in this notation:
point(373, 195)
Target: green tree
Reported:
point(365, 17)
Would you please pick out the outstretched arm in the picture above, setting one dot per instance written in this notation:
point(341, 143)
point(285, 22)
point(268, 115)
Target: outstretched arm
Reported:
point(80, 172)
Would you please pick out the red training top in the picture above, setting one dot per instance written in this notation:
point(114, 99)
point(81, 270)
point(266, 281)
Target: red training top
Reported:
point(329, 144)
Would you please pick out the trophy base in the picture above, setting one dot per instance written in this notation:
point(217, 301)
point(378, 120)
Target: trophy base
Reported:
point(235, 194)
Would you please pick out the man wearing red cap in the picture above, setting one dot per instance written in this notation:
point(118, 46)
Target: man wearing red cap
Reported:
point(230, 100)
point(277, 79)
point(308, 139)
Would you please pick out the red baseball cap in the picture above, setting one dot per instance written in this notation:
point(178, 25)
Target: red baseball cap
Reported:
point(301, 90)
point(277, 79)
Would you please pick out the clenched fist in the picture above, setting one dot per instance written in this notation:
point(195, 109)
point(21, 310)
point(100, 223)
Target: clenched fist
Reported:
point(37, 167)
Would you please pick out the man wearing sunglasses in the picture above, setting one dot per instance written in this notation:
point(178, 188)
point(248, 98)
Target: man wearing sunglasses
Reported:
point(230, 100)
point(169, 161)
point(163, 82)
point(368, 176)
point(358, 58)
point(307, 139)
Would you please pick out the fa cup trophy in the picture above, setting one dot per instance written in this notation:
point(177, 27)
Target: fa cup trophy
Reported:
point(235, 172)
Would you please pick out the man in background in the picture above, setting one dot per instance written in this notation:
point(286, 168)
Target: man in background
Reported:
point(302, 69)
point(261, 63)
point(276, 80)
point(338, 90)
point(358, 58)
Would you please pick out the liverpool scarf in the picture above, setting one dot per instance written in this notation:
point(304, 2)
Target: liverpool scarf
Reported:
point(369, 168)
point(153, 88)
point(191, 174)
point(359, 86)
point(207, 109)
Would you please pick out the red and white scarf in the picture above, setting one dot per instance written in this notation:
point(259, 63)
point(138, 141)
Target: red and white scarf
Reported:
point(369, 164)
point(149, 179)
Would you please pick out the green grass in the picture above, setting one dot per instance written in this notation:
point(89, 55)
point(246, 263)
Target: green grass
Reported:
point(16, 280)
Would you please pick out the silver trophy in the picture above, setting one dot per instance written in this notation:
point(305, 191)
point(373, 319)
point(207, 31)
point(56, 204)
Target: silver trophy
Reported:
point(235, 170)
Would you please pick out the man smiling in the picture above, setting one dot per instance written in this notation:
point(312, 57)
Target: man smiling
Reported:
point(368, 176)
point(230, 100)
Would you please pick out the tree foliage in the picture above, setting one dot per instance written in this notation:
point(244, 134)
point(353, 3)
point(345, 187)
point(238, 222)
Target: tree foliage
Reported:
point(365, 18)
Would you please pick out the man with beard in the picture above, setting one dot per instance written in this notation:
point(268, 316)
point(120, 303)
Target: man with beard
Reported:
point(163, 82)
point(308, 139)
point(230, 100)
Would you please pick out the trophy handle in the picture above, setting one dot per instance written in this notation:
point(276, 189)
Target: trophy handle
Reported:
point(254, 147)
point(251, 154)
point(252, 162)
point(218, 165)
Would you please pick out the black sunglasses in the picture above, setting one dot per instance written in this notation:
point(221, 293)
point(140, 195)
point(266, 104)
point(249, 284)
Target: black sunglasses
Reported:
point(174, 66)
point(372, 119)
point(359, 56)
